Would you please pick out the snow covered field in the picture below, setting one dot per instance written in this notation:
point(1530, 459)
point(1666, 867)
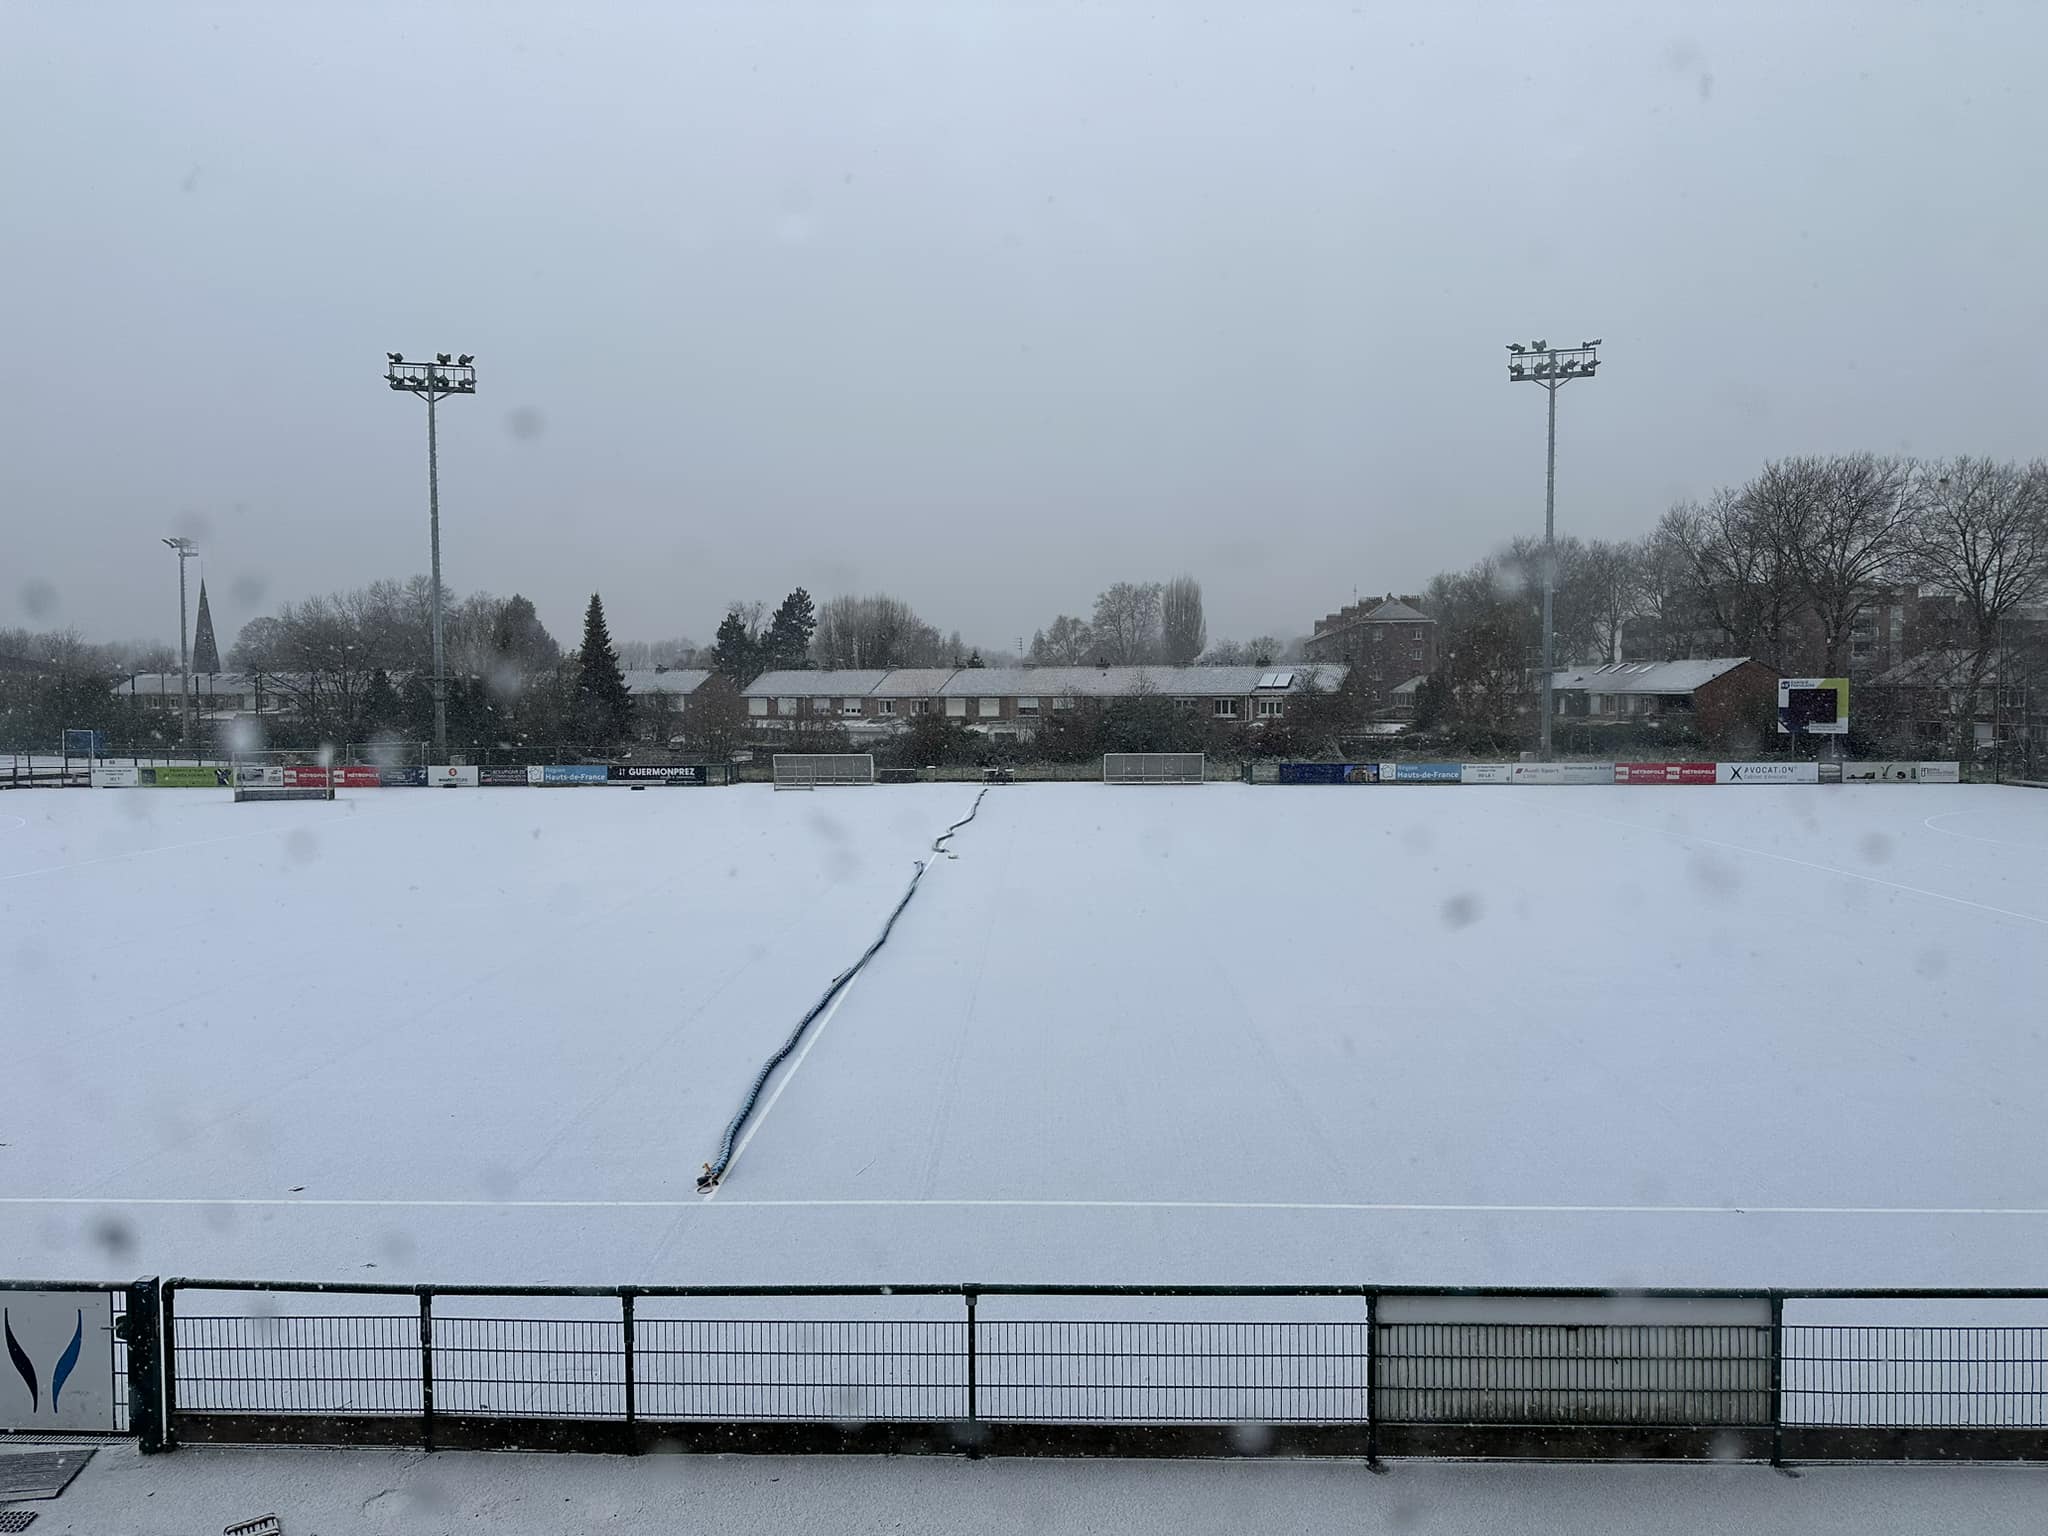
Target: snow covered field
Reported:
point(1474, 1035)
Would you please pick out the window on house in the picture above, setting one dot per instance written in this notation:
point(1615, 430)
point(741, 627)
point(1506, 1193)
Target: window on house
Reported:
point(756, 707)
point(1188, 703)
point(920, 706)
point(1027, 706)
point(990, 708)
point(956, 708)
point(785, 706)
point(1272, 709)
point(1224, 709)
point(884, 706)
point(850, 707)
point(1062, 703)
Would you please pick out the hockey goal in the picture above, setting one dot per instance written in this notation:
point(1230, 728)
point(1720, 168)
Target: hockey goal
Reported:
point(816, 770)
point(1153, 767)
point(275, 780)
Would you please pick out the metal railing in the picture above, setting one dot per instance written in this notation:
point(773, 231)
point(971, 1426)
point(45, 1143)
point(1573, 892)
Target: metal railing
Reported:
point(1346, 1370)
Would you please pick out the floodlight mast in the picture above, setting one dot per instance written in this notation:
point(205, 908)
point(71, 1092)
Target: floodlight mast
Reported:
point(434, 382)
point(1538, 362)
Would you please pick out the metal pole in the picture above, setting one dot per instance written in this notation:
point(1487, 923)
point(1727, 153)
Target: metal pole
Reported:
point(1549, 569)
point(184, 657)
point(434, 524)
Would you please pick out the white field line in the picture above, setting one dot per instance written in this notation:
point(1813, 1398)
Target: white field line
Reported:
point(1828, 869)
point(143, 853)
point(1331, 1206)
point(1996, 842)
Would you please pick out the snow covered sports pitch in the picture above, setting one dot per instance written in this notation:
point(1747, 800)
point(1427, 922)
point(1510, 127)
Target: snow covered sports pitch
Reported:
point(1517, 1036)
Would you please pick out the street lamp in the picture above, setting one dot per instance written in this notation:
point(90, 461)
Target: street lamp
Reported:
point(186, 549)
point(434, 382)
point(1539, 362)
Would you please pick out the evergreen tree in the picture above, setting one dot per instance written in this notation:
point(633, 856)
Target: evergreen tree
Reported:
point(787, 645)
point(735, 653)
point(604, 706)
point(976, 661)
point(381, 710)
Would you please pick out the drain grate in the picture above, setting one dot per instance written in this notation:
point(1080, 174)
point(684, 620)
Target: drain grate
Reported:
point(16, 1519)
point(39, 1474)
point(262, 1525)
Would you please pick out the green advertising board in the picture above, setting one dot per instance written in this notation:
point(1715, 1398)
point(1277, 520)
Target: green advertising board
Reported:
point(182, 776)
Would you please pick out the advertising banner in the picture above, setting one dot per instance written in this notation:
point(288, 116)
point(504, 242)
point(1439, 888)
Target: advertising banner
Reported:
point(115, 778)
point(570, 773)
point(392, 778)
point(1485, 773)
point(60, 1362)
point(259, 775)
point(657, 773)
point(1813, 706)
point(185, 776)
point(1939, 773)
point(1767, 773)
point(305, 776)
point(506, 773)
point(1879, 773)
point(1420, 773)
point(1663, 773)
point(454, 775)
point(1563, 773)
point(1329, 773)
point(357, 776)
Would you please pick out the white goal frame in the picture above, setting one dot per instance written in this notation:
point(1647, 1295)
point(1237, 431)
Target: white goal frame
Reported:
point(1154, 767)
point(816, 770)
point(281, 776)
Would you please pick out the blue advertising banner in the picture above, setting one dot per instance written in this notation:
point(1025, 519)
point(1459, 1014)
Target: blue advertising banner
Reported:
point(657, 773)
point(394, 777)
point(1329, 773)
point(1421, 773)
point(574, 773)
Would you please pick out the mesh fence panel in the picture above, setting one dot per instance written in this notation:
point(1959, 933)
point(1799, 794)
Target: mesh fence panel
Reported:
point(728, 1368)
point(1913, 1377)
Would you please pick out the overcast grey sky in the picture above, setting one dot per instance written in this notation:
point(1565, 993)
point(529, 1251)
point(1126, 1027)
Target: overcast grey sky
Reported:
point(983, 304)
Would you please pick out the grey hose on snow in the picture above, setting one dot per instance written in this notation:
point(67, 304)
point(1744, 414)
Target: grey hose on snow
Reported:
point(715, 1169)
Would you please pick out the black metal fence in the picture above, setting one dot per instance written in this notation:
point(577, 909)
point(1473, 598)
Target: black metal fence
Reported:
point(1046, 1370)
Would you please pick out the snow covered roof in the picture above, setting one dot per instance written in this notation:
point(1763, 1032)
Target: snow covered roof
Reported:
point(1647, 676)
point(844, 683)
point(1411, 686)
point(913, 682)
point(1112, 682)
point(671, 680)
point(1397, 611)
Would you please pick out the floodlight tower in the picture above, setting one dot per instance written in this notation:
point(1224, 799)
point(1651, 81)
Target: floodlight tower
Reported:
point(434, 382)
point(1538, 362)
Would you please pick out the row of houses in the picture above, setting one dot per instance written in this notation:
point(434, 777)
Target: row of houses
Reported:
point(1013, 702)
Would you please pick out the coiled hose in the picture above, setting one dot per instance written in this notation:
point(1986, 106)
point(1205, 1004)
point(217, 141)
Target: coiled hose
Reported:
point(715, 1169)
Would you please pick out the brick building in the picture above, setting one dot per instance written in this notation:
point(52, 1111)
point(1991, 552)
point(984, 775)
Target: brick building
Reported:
point(1389, 638)
point(1715, 697)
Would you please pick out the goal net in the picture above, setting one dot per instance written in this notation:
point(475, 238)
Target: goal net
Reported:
point(1153, 767)
point(281, 776)
point(813, 770)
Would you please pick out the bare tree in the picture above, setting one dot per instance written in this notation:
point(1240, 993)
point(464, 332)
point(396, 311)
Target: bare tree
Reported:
point(1127, 622)
point(1183, 629)
point(875, 631)
point(1838, 528)
point(1065, 642)
point(1736, 573)
point(1979, 539)
point(1612, 583)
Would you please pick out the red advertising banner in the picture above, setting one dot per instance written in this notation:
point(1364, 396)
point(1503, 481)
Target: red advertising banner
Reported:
point(305, 776)
point(1663, 773)
point(357, 776)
